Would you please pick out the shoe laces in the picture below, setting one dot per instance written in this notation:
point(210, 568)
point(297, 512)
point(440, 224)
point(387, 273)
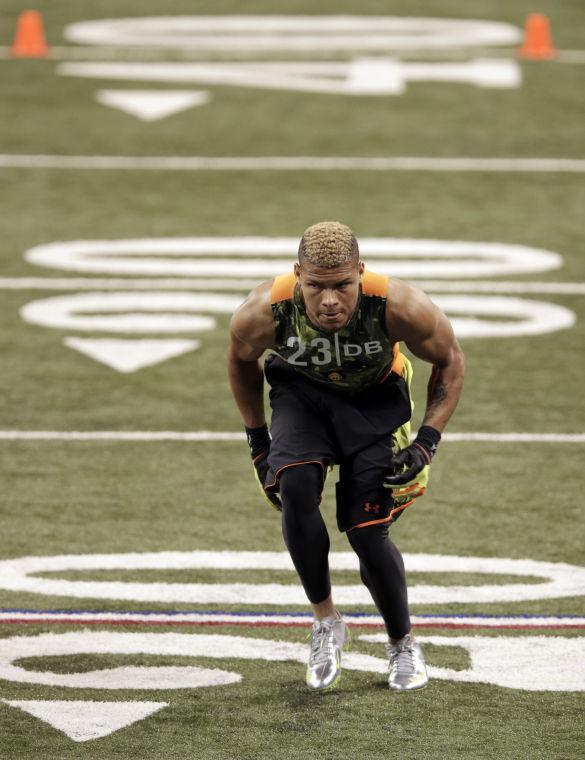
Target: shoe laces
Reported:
point(402, 655)
point(321, 642)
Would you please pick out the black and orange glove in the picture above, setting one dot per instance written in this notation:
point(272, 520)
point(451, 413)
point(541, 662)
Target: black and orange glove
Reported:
point(409, 477)
point(410, 461)
point(259, 443)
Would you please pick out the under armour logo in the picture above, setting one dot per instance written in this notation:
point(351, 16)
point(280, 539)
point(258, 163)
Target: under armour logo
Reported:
point(375, 508)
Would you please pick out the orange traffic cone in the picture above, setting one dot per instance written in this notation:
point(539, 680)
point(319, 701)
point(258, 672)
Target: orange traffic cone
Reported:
point(29, 41)
point(538, 42)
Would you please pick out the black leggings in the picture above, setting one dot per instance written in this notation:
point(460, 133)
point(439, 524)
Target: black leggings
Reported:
point(306, 537)
point(382, 571)
point(303, 528)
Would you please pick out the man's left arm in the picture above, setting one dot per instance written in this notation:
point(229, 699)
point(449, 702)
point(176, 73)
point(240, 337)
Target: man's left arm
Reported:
point(413, 318)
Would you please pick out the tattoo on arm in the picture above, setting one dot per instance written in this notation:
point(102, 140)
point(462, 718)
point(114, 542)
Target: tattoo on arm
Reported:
point(437, 391)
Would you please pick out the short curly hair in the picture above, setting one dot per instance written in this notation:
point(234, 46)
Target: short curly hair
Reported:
point(328, 244)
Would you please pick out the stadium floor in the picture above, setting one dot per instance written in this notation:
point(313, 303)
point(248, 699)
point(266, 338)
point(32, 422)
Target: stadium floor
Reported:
point(152, 172)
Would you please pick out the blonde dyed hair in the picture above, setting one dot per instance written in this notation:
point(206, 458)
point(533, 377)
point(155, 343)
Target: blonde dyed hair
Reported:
point(328, 244)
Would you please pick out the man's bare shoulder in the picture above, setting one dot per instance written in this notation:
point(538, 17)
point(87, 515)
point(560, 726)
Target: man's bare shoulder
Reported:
point(408, 310)
point(252, 322)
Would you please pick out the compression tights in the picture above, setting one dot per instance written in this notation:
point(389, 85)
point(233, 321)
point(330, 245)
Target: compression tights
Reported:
point(303, 528)
point(306, 537)
point(382, 571)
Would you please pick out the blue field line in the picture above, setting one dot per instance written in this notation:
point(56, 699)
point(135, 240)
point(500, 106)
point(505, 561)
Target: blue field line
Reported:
point(430, 616)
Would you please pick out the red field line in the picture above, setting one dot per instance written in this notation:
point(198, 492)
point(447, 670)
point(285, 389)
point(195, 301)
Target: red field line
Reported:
point(267, 624)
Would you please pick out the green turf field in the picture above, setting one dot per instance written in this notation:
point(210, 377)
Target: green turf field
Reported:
point(514, 499)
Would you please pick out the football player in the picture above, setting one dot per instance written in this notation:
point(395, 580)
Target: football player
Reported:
point(340, 394)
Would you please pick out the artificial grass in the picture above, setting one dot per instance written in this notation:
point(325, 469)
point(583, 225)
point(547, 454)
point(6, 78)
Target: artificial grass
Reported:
point(486, 499)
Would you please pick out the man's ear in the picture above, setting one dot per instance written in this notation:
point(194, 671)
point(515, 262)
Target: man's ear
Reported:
point(361, 267)
point(297, 271)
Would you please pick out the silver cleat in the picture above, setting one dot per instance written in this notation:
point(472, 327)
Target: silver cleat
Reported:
point(407, 670)
point(327, 639)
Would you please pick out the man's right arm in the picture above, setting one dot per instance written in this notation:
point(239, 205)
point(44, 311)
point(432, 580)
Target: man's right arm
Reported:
point(251, 333)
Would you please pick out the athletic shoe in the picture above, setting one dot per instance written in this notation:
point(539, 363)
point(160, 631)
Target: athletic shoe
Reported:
point(407, 668)
point(327, 639)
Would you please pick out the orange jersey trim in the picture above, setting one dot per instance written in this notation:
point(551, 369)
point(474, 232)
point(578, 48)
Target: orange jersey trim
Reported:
point(374, 284)
point(283, 287)
point(397, 363)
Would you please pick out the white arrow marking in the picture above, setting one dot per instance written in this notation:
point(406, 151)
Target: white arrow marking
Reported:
point(130, 355)
point(384, 76)
point(376, 77)
point(150, 105)
point(84, 721)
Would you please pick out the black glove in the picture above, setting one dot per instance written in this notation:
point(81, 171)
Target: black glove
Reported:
point(259, 443)
point(410, 461)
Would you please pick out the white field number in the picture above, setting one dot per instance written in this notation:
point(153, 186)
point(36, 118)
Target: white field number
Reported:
point(531, 663)
point(374, 42)
point(235, 258)
point(275, 33)
point(556, 580)
point(238, 264)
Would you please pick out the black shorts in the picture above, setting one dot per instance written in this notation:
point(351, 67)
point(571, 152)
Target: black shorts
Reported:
point(312, 424)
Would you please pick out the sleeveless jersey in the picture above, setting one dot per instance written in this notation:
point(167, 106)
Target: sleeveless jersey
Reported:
point(351, 359)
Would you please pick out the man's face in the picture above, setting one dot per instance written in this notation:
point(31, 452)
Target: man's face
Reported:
point(330, 294)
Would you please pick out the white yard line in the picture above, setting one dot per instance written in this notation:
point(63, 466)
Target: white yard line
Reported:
point(136, 53)
point(96, 283)
point(210, 436)
point(516, 437)
point(293, 163)
point(118, 435)
point(287, 619)
point(485, 286)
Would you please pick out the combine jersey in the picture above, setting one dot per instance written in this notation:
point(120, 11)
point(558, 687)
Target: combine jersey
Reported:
point(351, 359)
